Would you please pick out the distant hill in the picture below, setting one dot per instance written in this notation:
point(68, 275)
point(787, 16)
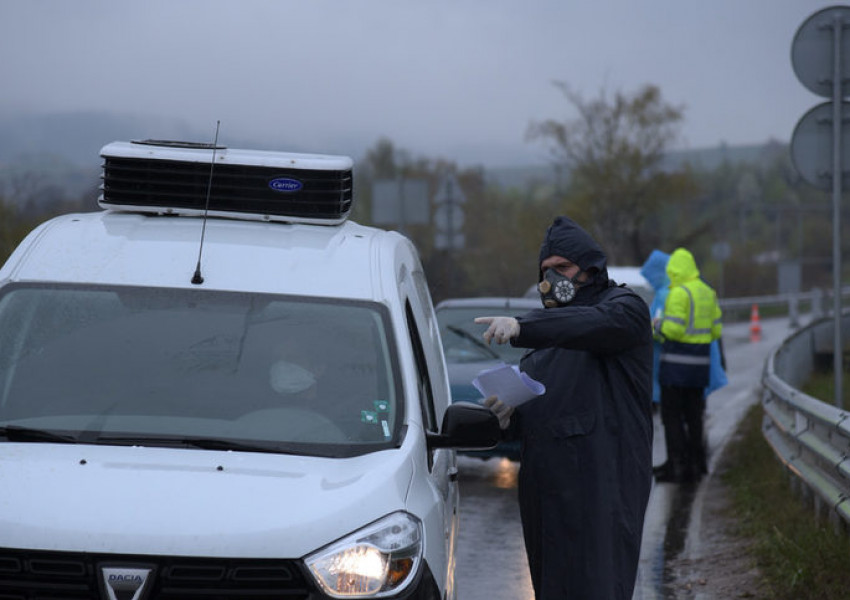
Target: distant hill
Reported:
point(523, 177)
point(708, 159)
point(63, 149)
point(701, 159)
point(77, 137)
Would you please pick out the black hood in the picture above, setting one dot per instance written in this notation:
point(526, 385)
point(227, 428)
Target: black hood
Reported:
point(567, 239)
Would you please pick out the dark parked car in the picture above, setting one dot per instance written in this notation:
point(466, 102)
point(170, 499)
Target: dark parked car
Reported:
point(467, 354)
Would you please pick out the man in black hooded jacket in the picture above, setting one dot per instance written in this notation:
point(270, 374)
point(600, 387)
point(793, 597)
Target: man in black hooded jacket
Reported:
point(586, 457)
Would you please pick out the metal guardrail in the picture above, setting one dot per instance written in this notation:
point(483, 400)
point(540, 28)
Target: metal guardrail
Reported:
point(816, 302)
point(810, 437)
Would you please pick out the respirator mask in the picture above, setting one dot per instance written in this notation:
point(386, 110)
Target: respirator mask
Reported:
point(557, 290)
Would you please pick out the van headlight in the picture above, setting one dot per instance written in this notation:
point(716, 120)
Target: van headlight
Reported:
point(373, 562)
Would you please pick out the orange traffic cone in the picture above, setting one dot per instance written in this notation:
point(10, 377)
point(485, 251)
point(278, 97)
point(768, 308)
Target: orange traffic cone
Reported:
point(755, 324)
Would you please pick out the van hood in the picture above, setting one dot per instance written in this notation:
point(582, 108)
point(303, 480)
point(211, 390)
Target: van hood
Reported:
point(163, 501)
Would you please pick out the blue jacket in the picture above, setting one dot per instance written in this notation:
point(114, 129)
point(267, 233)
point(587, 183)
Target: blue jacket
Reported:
point(654, 270)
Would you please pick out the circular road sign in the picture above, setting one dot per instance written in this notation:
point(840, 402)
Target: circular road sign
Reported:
point(811, 146)
point(813, 52)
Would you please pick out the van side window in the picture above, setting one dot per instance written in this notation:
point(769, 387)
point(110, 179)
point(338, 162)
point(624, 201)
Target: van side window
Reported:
point(426, 394)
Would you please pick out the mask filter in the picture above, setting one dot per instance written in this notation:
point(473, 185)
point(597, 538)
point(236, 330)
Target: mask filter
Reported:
point(555, 289)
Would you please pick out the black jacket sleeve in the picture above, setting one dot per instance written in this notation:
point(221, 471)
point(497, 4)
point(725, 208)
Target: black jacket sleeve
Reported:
point(620, 320)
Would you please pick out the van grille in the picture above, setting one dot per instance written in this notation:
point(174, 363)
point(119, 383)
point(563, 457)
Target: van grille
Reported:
point(169, 184)
point(39, 575)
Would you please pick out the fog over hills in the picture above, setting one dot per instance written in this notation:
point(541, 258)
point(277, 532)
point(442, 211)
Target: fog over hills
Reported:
point(63, 149)
point(77, 137)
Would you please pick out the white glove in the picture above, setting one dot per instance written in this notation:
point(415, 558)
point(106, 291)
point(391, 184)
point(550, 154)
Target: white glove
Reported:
point(502, 329)
point(500, 409)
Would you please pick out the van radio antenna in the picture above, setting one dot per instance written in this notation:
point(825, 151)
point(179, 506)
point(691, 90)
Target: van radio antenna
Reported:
point(197, 278)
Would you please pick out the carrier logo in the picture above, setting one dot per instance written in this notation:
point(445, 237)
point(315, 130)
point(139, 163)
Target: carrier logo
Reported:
point(285, 184)
point(124, 583)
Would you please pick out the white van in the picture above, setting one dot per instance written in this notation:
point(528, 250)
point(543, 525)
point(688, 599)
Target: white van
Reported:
point(219, 387)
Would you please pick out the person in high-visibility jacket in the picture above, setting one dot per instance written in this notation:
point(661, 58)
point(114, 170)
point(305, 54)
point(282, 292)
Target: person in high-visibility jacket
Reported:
point(690, 322)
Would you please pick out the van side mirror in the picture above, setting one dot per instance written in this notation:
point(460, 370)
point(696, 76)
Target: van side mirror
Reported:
point(467, 426)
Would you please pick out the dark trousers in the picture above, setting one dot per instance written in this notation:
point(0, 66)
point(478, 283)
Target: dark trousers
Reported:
point(682, 411)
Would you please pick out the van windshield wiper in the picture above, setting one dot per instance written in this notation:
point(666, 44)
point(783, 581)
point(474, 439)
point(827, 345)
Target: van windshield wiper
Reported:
point(16, 433)
point(216, 444)
point(203, 443)
point(474, 339)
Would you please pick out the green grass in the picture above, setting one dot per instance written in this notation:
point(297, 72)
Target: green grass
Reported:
point(821, 385)
point(800, 556)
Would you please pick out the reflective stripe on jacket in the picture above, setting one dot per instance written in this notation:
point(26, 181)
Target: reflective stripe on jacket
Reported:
point(691, 314)
point(684, 365)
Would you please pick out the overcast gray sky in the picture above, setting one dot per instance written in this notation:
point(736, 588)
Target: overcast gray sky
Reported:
point(458, 79)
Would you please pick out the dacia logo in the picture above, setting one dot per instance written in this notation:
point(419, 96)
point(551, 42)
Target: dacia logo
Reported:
point(126, 578)
point(125, 583)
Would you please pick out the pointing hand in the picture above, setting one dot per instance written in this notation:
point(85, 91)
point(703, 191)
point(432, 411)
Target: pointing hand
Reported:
point(502, 329)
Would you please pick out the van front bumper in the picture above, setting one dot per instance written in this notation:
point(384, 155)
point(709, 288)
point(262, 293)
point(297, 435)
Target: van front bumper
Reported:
point(24, 573)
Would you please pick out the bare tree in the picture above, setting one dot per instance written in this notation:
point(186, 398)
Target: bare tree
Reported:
point(614, 152)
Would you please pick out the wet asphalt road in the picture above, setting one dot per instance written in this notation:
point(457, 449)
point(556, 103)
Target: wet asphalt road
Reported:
point(491, 562)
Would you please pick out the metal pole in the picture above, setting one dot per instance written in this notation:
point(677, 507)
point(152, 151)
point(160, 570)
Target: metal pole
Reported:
point(449, 202)
point(402, 216)
point(837, 88)
point(450, 233)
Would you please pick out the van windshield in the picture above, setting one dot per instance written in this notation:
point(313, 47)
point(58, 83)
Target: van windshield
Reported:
point(197, 368)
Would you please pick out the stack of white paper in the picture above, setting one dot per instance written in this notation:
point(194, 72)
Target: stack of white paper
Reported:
point(512, 386)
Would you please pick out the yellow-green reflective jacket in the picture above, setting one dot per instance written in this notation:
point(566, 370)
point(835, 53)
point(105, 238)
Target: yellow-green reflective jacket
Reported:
point(691, 313)
point(691, 321)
